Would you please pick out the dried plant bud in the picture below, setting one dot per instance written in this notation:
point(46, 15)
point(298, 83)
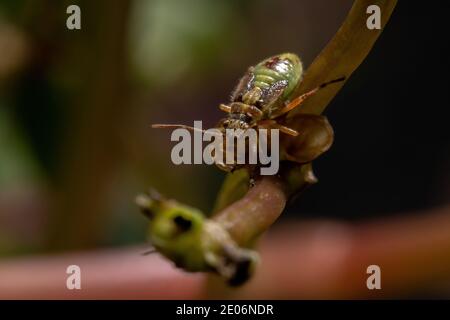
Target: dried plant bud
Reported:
point(315, 137)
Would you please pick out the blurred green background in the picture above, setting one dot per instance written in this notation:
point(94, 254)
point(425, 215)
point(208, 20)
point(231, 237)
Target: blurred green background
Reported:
point(76, 107)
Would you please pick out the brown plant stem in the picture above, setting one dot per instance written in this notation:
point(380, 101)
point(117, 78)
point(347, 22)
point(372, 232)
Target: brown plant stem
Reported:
point(247, 218)
point(342, 55)
point(259, 208)
point(250, 216)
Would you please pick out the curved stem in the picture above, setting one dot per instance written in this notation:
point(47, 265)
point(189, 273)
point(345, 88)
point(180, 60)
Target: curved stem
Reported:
point(255, 212)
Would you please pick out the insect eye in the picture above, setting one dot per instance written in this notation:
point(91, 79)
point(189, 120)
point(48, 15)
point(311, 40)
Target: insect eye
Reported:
point(182, 223)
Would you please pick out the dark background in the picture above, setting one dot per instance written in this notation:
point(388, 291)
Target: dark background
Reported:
point(391, 150)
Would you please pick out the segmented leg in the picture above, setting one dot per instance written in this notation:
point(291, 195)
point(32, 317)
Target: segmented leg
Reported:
point(225, 108)
point(253, 111)
point(295, 103)
point(272, 124)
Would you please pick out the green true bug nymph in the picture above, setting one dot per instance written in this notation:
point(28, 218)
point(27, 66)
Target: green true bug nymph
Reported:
point(262, 95)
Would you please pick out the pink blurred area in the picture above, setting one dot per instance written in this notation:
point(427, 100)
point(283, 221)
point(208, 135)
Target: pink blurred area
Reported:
point(310, 260)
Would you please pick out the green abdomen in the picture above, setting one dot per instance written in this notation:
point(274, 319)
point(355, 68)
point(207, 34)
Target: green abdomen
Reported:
point(286, 66)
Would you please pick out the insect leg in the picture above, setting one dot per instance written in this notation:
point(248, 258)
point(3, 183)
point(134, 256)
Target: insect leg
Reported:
point(249, 109)
point(272, 124)
point(225, 108)
point(300, 99)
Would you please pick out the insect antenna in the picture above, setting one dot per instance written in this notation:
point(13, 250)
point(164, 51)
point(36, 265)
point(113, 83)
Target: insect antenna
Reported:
point(323, 85)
